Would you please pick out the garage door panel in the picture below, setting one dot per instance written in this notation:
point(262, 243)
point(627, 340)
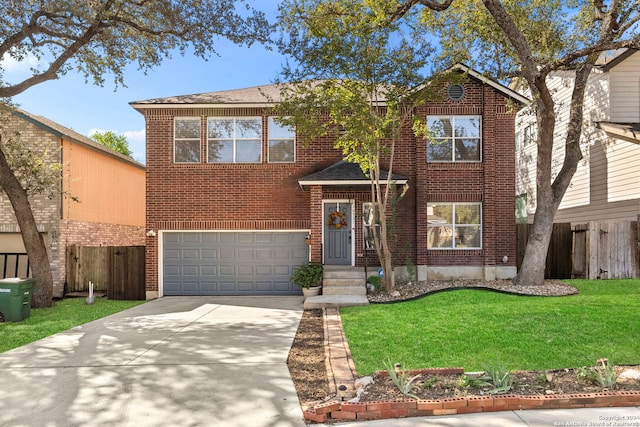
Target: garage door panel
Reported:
point(245, 286)
point(209, 270)
point(190, 254)
point(263, 286)
point(246, 238)
point(191, 237)
point(210, 238)
point(232, 263)
point(227, 286)
point(246, 270)
point(190, 270)
point(245, 254)
point(264, 270)
point(227, 238)
point(282, 270)
point(227, 271)
point(209, 254)
point(281, 286)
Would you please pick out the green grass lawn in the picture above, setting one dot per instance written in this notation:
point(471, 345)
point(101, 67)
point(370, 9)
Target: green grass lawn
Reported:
point(476, 328)
point(62, 315)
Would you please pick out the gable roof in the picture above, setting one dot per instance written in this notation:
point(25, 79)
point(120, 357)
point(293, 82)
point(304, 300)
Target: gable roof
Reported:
point(269, 95)
point(507, 91)
point(60, 131)
point(345, 173)
point(608, 60)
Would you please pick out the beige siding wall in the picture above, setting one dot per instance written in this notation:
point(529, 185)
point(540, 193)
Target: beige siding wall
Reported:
point(625, 90)
point(606, 184)
point(109, 190)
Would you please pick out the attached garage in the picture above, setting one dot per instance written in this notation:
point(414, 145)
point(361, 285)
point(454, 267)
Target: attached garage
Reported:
point(231, 263)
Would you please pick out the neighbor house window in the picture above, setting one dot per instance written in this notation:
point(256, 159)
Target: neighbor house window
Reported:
point(186, 140)
point(282, 148)
point(454, 225)
point(369, 226)
point(234, 139)
point(530, 134)
point(454, 138)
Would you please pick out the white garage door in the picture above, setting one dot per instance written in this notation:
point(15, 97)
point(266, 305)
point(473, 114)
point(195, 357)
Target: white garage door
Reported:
point(232, 263)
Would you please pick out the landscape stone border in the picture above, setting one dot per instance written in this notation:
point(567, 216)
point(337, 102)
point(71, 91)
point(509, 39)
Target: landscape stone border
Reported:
point(341, 371)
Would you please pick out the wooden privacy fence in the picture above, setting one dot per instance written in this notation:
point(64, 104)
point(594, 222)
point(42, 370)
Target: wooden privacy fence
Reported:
point(606, 250)
point(116, 270)
point(559, 255)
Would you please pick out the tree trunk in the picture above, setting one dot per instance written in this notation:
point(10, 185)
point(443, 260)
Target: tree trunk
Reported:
point(548, 195)
point(33, 242)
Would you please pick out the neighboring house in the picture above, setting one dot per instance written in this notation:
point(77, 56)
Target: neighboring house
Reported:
point(606, 185)
point(234, 201)
point(108, 186)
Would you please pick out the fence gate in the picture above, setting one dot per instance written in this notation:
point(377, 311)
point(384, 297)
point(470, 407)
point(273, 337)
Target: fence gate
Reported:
point(606, 250)
point(117, 270)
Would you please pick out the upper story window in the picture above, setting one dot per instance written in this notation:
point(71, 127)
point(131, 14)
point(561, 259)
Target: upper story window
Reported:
point(282, 147)
point(234, 139)
point(454, 225)
point(454, 138)
point(186, 140)
point(530, 134)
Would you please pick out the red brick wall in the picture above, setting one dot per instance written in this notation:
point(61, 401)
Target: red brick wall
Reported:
point(491, 182)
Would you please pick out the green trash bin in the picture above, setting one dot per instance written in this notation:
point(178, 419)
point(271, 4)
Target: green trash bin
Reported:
point(15, 299)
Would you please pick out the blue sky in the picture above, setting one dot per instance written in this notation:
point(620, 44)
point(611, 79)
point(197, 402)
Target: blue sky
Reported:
point(84, 107)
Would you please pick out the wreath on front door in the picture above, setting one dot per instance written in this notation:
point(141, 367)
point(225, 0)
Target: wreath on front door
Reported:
point(337, 219)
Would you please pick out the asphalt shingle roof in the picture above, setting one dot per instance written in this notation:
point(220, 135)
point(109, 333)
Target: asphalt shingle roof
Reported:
point(344, 171)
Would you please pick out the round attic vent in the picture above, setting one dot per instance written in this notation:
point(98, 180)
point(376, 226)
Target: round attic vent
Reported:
point(455, 92)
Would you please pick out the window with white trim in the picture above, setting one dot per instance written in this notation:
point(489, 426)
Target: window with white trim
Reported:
point(186, 140)
point(454, 138)
point(282, 143)
point(368, 225)
point(454, 225)
point(234, 139)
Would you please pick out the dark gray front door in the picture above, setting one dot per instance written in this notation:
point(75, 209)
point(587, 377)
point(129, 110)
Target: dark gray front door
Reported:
point(337, 233)
point(232, 263)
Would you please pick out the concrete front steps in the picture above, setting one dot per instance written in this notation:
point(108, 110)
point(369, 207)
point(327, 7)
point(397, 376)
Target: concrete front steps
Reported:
point(341, 286)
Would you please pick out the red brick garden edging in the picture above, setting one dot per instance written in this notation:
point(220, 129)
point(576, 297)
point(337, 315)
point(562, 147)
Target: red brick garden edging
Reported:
point(344, 411)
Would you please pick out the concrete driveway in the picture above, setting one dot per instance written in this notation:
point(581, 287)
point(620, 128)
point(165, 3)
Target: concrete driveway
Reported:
point(175, 361)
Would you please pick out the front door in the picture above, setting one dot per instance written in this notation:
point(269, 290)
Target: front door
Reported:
point(337, 233)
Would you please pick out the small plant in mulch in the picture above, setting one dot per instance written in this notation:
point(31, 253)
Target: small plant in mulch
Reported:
point(603, 375)
point(402, 379)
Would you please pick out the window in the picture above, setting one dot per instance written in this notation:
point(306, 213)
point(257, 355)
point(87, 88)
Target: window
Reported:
point(522, 214)
point(367, 228)
point(186, 144)
point(454, 138)
point(530, 134)
point(281, 143)
point(234, 139)
point(454, 226)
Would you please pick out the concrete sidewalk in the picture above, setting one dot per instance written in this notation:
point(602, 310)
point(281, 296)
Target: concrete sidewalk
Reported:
point(587, 417)
point(175, 361)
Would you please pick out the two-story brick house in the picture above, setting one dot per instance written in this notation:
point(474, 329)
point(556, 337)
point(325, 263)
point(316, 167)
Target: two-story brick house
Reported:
point(234, 201)
point(100, 201)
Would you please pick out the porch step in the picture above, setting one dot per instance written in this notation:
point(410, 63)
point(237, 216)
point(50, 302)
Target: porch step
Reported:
point(322, 301)
point(341, 286)
point(343, 280)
